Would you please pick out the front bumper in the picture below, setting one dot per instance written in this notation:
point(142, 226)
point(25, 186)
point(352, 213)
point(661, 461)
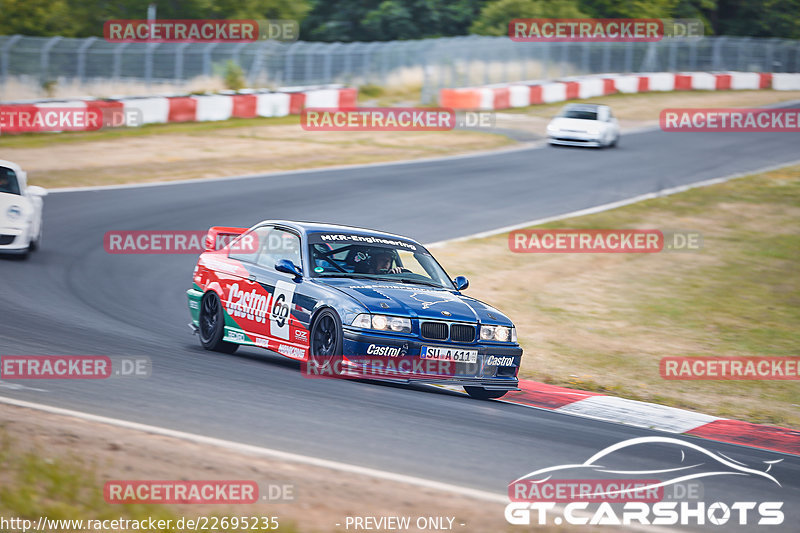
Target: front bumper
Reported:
point(575, 140)
point(483, 373)
point(13, 240)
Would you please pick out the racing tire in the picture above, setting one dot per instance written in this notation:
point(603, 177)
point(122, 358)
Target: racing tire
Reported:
point(326, 334)
point(212, 325)
point(479, 393)
point(326, 338)
point(37, 242)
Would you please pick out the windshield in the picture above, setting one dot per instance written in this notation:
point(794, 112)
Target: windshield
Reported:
point(579, 113)
point(359, 256)
point(8, 181)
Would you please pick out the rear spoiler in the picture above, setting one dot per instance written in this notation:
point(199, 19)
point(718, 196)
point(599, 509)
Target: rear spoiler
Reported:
point(219, 237)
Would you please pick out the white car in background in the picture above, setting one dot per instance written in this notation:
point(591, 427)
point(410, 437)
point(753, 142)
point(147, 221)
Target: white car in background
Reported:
point(584, 125)
point(20, 211)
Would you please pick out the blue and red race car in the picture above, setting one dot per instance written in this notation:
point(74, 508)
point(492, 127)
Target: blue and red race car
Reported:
point(311, 291)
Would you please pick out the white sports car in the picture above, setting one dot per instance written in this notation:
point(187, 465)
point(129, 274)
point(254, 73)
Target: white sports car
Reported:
point(584, 125)
point(20, 211)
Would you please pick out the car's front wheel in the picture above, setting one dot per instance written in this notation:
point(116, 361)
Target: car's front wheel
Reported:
point(326, 334)
point(479, 393)
point(212, 325)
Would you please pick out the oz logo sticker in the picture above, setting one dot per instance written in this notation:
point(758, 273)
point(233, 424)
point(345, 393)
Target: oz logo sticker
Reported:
point(282, 300)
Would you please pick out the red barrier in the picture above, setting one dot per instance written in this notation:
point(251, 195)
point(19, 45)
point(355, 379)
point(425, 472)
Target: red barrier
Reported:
point(297, 101)
point(502, 98)
point(182, 109)
point(244, 105)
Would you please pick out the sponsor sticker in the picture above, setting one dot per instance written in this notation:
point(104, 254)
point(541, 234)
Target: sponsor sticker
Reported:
point(497, 360)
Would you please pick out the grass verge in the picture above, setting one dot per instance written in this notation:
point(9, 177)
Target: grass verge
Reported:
point(602, 322)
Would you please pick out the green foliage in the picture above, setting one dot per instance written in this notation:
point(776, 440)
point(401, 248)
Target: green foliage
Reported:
point(85, 18)
point(495, 16)
point(232, 74)
point(385, 20)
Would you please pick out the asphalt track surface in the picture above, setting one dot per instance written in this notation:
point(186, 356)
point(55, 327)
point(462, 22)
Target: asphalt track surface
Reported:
point(74, 298)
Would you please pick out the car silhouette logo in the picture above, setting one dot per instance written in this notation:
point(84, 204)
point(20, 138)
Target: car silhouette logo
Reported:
point(695, 462)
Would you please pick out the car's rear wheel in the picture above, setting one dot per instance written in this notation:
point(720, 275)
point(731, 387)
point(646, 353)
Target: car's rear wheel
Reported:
point(212, 325)
point(479, 393)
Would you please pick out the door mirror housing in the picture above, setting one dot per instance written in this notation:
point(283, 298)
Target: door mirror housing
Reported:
point(35, 190)
point(286, 266)
point(461, 283)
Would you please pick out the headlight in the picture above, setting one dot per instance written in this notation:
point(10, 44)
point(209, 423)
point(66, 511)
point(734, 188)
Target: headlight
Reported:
point(394, 324)
point(593, 131)
point(498, 333)
point(14, 212)
point(551, 127)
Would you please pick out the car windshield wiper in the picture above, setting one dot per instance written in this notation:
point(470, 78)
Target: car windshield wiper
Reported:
point(413, 281)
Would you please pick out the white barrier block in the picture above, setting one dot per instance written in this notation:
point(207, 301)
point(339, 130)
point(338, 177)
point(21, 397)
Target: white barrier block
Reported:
point(626, 84)
point(744, 80)
point(272, 105)
point(322, 98)
point(661, 81)
point(786, 82)
point(519, 96)
point(703, 81)
point(153, 110)
point(554, 92)
point(590, 87)
point(214, 107)
point(487, 98)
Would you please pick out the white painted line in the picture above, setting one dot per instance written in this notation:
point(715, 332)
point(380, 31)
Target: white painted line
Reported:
point(499, 151)
point(265, 452)
point(613, 205)
point(640, 414)
point(297, 458)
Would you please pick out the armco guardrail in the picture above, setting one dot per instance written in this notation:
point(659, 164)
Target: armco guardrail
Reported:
point(523, 94)
point(194, 108)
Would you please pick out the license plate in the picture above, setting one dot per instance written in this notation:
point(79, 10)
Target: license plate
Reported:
point(441, 353)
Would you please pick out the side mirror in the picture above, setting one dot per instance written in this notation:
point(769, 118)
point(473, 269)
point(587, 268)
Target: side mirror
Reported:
point(284, 265)
point(461, 283)
point(35, 190)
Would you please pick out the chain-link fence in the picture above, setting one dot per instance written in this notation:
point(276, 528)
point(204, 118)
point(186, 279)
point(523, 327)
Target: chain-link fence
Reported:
point(430, 64)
